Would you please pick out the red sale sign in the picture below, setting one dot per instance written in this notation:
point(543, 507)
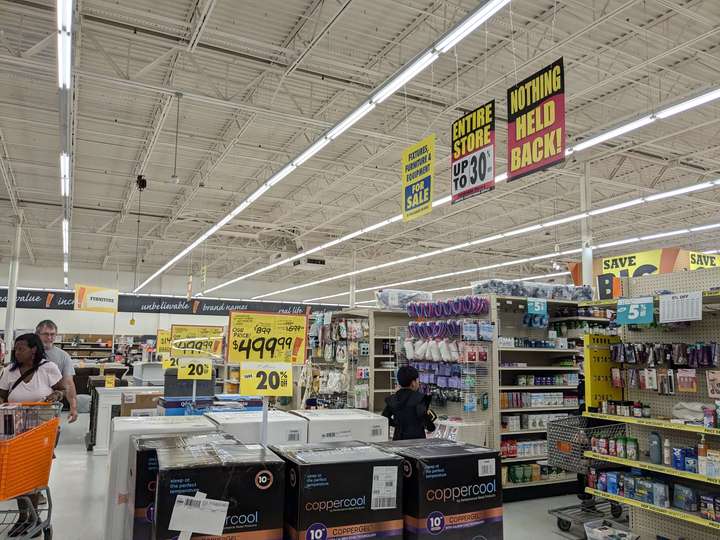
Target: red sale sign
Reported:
point(536, 121)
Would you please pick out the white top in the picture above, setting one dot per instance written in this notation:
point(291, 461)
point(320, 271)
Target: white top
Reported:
point(39, 387)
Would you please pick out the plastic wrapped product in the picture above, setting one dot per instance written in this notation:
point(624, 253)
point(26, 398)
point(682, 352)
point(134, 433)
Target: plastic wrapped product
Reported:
point(409, 349)
point(421, 348)
point(399, 299)
point(434, 349)
point(454, 351)
point(445, 351)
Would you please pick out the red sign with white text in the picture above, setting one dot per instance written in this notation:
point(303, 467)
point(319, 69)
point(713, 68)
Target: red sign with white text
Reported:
point(536, 121)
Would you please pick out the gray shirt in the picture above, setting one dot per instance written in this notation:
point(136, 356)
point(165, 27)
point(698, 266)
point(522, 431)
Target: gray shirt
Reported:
point(62, 360)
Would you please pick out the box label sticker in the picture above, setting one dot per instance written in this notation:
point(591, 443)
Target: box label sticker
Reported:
point(192, 514)
point(486, 467)
point(384, 488)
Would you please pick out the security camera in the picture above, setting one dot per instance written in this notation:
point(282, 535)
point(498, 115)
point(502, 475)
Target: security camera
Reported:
point(141, 182)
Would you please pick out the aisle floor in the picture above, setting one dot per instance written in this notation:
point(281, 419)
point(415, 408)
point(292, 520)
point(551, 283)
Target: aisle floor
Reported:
point(78, 487)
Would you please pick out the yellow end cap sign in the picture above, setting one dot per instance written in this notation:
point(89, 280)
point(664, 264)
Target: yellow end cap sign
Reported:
point(109, 381)
point(266, 337)
point(266, 379)
point(169, 362)
point(195, 369)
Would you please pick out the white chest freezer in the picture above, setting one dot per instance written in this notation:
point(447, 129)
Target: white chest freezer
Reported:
point(332, 425)
point(283, 428)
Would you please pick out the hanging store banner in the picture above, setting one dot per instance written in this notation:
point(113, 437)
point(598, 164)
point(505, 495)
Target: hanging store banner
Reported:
point(418, 170)
point(536, 122)
point(699, 261)
point(97, 299)
point(191, 340)
point(473, 153)
point(266, 345)
point(173, 305)
point(633, 264)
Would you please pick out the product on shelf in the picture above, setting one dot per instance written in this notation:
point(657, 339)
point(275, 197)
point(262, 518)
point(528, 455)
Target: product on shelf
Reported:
point(461, 306)
point(532, 343)
point(526, 473)
point(399, 299)
point(557, 379)
point(450, 490)
point(531, 289)
point(512, 448)
point(337, 489)
point(530, 400)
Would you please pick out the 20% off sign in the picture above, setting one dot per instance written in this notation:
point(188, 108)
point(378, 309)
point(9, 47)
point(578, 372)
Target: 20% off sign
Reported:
point(266, 345)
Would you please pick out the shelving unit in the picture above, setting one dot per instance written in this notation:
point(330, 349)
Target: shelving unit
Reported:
point(648, 520)
point(508, 313)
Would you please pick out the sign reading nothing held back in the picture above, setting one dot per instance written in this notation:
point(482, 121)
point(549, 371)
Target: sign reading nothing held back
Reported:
point(473, 153)
point(536, 121)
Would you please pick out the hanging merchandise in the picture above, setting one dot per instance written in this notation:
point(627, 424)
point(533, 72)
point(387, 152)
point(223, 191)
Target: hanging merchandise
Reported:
point(417, 174)
point(461, 306)
point(473, 153)
point(536, 122)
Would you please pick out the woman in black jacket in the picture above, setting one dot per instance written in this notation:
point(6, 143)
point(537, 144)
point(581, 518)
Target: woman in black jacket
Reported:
point(408, 409)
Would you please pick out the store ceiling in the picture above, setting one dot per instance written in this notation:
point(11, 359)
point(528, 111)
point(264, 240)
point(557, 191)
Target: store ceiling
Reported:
point(260, 81)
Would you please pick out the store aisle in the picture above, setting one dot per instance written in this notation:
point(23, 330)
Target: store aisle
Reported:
point(78, 487)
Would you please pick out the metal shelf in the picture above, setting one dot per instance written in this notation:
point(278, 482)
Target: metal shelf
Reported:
point(523, 431)
point(671, 512)
point(653, 467)
point(526, 458)
point(553, 408)
point(539, 349)
point(539, 483)
point(539, 368)
point(651, 422)
point(539, 387)
point(578, 318)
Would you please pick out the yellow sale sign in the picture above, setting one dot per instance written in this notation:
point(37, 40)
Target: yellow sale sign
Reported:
point(266, 379)
point(169, 362)
point(109, 381)
point(266, 337)
point(163, 341)
point(195, 369)
point(190, 340)
point(266, 345)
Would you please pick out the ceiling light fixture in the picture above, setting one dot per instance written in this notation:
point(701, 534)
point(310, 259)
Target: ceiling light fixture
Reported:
point(603, 137)
point(506, 234)
point(388, 88)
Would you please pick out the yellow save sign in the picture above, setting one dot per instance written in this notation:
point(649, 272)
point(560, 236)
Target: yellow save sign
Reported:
point(195, 369)
point(191, 340)
point(266, 345)
point(163, 341)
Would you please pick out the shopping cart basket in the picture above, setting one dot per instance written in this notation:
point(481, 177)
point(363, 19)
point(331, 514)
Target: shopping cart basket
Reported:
point(28, 432)
point(568, 440)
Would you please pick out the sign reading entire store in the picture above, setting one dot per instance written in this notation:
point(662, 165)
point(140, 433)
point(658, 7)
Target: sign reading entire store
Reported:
point(34, 299)
point(536, 122)
point(473, 153)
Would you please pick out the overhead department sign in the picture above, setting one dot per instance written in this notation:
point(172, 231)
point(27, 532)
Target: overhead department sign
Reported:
point(418, 169)
point(98, 299)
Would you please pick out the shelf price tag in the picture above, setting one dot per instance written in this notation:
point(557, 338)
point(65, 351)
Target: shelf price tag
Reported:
point(195, 369)
point(266, 379)
point(635, 310)
point(169, 361)
point(537, 306)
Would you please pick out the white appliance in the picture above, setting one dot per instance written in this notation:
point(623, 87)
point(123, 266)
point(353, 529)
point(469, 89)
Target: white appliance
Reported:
point(283, 428)
point(332, 425)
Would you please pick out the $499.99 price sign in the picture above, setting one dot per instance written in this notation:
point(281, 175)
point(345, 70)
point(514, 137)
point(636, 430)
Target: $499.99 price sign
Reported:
point(266, 345)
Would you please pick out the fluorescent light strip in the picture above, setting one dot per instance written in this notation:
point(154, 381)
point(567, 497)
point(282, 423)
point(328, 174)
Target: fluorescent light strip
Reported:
point(396, 81)
point(522, 261)
point(506, 234)
point(693, 102)
point(66, 236)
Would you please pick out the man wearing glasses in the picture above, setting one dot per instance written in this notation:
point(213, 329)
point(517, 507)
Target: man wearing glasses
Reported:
point(47, 330)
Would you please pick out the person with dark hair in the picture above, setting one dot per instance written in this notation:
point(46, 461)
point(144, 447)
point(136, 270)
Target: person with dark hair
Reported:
point(408, 409)
point(47, 330)
point(30, 377)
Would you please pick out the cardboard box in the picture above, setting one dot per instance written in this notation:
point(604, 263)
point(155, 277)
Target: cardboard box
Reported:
point(451, 491)
point(337, 425)
point(283, 428)
point(120, 492)
point(183, 406)
point(342, 490)
point(139, 404)
point(250, 478)
point(144, 470)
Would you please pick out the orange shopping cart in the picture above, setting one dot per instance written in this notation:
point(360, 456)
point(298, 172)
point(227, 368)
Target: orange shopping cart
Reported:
point(28, 432)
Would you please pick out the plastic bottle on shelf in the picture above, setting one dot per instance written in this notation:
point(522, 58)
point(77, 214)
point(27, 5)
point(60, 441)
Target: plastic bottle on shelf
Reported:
point(667, 453)
point(702, 456)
